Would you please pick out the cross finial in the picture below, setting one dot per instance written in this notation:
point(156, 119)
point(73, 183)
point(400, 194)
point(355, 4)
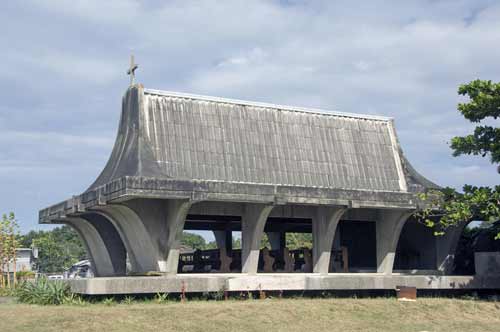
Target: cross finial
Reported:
point(131, 70)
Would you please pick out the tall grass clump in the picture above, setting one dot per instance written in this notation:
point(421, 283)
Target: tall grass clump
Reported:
point(43, 291)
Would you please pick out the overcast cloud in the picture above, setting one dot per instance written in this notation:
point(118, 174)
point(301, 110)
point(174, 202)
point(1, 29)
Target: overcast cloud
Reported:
point(63, 69)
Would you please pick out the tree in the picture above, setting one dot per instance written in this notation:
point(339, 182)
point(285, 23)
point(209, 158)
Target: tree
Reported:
point(449, 207)
point(299, 240)
point(58, 249)
point(8, 247)
point(484, 104)
point(192, 240)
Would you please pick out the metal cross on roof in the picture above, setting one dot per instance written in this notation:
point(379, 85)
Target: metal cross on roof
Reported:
point(131, 70)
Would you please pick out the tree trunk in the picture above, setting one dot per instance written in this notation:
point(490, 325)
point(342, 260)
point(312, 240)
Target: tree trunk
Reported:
point(14, 261)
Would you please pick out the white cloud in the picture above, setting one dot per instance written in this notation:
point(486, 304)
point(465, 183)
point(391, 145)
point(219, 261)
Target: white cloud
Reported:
point(64, 64)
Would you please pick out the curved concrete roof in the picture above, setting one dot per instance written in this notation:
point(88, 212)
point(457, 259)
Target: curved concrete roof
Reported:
point(172, 144)
point(181, 136)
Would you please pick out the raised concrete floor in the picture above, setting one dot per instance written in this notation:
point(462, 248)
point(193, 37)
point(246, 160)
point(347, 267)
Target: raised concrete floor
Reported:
point(214, 282)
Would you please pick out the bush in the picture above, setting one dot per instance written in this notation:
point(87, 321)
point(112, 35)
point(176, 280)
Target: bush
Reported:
point(25, 275)
point(6, 291)
point(43, 291)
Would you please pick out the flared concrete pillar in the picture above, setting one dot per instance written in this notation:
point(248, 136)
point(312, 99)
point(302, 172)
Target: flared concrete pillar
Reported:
point(324, 225)
point(253, 222)
point(112, 241)
point(151, 231)
point(277, 240)
point(141, 251)
point(446, 247)
point(99, 253)
point(389, 225)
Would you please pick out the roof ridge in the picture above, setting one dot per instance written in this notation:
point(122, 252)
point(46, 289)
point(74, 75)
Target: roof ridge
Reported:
point(266, 105)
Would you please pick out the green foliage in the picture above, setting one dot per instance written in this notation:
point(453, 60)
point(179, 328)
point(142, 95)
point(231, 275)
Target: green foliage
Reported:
point(161, 298)
point(128, 300)
point(43, 291)
point(484, 103)
point(449, 207)
point(484, 100)
point(24, 275)
point(7, 292)
point(9, 231)
point(192, 240)
point(75, 299)
point(58, 249)
point(236, 243)
point(298, 240)
point(109, 301)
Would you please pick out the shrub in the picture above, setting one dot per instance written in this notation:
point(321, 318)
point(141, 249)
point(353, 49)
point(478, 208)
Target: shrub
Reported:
point(43, 291)
point(25, 275)
point(128, 300)
point(108, 301)
point(161, 298)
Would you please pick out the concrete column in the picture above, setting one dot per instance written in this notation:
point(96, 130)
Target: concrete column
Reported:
point(151, 231)
point(277, 240)
point(96, 248)
point(389, 225)
point(446, 247)
point(252, 228)
point(224, 239)
point(324, 225)
point(177, 211)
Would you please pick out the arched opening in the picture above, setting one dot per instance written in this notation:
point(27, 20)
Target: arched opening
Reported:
point(477, 251)
point(420, 251)
point(416, 250)
point(354, 247)
point(287, 246)
point(104, 245)
point(210, 244)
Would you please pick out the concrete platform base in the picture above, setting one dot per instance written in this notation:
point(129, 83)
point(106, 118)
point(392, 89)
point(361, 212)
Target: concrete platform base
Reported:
point(283, 281)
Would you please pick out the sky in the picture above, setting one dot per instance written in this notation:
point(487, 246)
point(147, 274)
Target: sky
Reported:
point(63, 73)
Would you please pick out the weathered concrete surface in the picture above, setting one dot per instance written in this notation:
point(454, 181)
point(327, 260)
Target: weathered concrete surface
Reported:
point(252, 230)
point(171, 145)
point(446, 247)
point(151, 231)
point(388, 228)
point(284, 281)
point(174, 151)
point(96, 247)
point(487, 263)
point(324, 225)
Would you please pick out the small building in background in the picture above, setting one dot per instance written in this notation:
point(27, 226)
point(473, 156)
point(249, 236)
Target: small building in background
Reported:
point(25, 261)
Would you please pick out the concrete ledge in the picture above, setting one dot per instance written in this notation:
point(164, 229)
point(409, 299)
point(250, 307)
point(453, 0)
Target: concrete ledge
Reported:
point(282, 281)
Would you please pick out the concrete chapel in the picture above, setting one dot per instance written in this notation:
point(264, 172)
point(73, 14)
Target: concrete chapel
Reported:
point(188, 162)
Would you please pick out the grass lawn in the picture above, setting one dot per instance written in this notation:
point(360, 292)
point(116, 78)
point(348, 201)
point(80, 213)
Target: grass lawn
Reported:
point(375, 314)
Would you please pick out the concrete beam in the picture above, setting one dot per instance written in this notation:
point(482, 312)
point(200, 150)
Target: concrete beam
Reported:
point(253, 221)
point(324, 225)
point(98, 253)
point(235, 282)
point(389, 225)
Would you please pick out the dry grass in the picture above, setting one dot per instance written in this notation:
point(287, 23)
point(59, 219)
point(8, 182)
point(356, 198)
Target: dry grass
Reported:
point(378, 314)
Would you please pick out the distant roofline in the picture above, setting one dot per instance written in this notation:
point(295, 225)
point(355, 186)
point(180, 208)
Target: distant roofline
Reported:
point(266, 105)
